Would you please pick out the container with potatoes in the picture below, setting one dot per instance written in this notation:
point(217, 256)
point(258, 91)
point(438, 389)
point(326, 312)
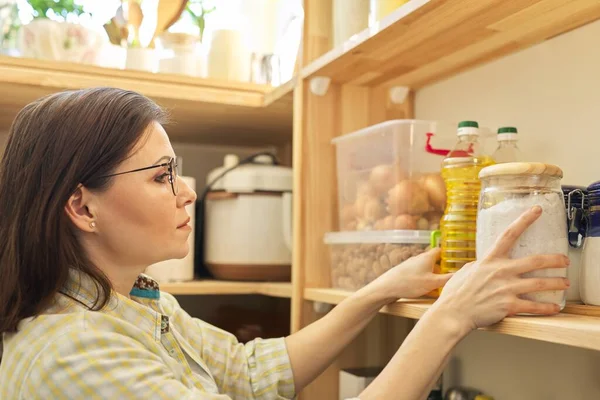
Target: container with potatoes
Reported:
point(388, 180)
point(357, 258)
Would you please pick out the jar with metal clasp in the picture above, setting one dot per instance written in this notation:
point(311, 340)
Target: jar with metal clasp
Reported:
point(589, 275)
point(576, 206)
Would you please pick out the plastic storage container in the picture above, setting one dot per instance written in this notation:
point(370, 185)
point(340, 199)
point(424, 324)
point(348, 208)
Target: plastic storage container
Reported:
point(389, 176)
point(357, 258)
point(508, 190)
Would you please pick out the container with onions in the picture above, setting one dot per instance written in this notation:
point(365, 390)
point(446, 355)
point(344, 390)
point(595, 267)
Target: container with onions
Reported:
point(391, 196)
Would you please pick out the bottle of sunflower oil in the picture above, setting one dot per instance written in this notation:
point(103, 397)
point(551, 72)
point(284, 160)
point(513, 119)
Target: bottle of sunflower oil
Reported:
point(460, 170)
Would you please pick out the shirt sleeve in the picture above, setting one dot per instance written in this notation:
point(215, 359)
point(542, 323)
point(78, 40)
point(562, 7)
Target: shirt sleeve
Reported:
point(101, 365)
point(260, 369)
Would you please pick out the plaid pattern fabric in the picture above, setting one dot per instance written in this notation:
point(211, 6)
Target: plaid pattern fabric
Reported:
point(135, 349)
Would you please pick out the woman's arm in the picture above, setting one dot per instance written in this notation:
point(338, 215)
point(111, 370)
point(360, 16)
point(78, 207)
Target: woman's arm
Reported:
point(420, 359)
point(479, 295)
point(314, 348)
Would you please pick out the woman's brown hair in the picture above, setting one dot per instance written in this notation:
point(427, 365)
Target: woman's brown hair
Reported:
point(55, 144)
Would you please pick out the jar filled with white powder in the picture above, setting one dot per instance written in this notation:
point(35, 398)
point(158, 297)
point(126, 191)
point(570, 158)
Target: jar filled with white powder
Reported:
point(507, 191)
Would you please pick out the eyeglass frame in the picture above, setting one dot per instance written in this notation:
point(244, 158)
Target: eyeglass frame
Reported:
point(171, 164)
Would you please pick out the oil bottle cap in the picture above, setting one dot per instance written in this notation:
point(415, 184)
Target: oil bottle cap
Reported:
point(468, 128)
point(507, 129)
point(507, 133)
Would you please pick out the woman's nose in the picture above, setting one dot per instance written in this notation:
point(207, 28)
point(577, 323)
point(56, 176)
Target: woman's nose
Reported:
point(186, 195)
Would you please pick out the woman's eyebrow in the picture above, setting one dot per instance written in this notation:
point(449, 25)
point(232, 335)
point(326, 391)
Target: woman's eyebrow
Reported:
point(163, 158)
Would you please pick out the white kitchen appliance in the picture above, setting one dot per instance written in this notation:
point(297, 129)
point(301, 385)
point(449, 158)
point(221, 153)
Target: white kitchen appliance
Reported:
point(248, 220)
point(178, 270)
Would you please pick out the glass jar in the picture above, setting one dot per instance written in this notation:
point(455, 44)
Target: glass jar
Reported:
point(507, 191)
point(589, 274)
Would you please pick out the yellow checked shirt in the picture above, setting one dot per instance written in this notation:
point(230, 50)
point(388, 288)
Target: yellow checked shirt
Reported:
point(145, 347)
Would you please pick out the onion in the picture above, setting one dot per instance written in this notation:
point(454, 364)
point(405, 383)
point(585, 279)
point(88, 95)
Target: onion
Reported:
point(373, 210)
point(408, 197)
point(436, 190)
point(389, 222)
point(405, 222)
point(382, 178)
point(348, 214)
point(422, 224)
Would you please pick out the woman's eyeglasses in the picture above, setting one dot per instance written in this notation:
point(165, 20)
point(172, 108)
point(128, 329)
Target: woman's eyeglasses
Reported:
point(172, 171)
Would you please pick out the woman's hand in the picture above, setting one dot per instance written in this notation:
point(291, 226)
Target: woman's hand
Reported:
point(484, 292)
point(411, 279)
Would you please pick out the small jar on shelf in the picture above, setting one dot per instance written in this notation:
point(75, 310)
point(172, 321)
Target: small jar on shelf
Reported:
point(589, 275)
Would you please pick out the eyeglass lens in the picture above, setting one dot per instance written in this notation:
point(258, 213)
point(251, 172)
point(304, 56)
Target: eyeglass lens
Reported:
point(173, 176)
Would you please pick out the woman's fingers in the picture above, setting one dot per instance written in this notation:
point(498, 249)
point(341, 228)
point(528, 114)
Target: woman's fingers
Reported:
point(510, 236)
point(440, 279)
point(530, 285)
point(433, 255)
point(531, 307)
point(537, 262)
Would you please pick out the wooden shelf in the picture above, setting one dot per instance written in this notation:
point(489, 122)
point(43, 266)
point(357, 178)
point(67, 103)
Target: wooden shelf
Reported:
point(427, 40)
point(204, 110)
point(213, 287)
point(569, 329)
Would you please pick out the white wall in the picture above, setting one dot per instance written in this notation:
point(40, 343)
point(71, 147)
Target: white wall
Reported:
point(551, 92)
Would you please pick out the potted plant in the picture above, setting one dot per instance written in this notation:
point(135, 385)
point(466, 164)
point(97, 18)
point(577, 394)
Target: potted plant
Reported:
point(197, 11)
point(50, 36)
point(9, 25)
point(58, 8)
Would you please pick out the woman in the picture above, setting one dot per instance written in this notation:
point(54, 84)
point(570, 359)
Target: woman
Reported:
point(89, 197)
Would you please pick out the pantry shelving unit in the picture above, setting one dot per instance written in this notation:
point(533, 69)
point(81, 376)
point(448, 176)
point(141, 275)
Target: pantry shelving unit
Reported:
point(204, 111)
point(360, 83)
point(419, 43)
point(215, 287)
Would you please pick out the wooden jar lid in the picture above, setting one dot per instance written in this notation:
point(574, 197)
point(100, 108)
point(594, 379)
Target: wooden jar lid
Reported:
point(521, 168)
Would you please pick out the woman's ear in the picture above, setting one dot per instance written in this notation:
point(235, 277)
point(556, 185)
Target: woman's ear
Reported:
point(80, 210)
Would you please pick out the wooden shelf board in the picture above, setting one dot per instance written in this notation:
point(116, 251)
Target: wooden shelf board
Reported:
point(214, 287)
point(204, 110)
point(427, 40)
point(566, 328)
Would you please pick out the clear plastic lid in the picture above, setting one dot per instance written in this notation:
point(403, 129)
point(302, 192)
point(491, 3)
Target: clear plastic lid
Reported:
point(378, 128)
point(398, 237)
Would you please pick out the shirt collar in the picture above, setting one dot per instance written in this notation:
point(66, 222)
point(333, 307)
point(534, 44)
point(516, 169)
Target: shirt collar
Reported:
point(81, 287)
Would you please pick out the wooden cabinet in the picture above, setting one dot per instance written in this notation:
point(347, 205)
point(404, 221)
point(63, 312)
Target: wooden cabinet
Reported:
point(371, 78)
point(360, 83)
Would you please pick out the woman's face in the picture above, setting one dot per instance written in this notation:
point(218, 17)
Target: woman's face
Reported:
point(138, 219)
